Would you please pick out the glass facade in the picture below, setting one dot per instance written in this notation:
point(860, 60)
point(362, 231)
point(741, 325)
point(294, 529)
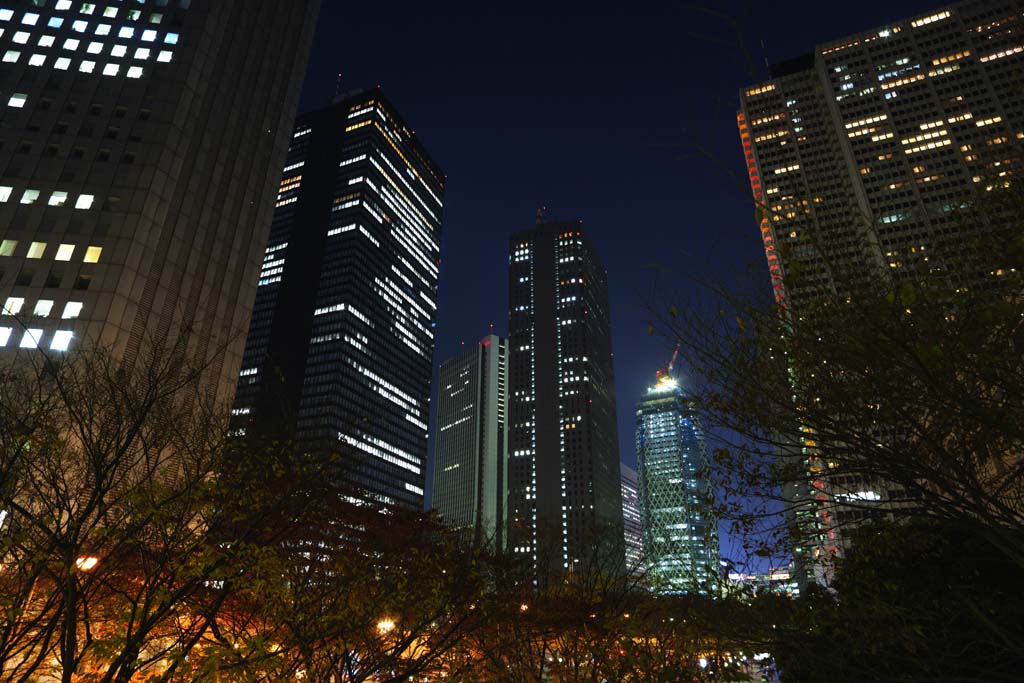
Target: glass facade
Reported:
point(680, 526)
point(341, 342)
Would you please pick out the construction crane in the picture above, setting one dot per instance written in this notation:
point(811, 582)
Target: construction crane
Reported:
point(666, 372)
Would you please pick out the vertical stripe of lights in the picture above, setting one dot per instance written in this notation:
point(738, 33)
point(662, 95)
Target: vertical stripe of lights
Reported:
point(771, 253)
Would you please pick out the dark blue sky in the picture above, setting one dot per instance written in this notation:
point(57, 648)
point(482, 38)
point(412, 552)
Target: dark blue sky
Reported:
point(621, 115)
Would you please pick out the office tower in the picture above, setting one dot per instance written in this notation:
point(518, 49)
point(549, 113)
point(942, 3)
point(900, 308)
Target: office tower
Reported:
point(471, 441)
point(631, 525)
point(340, 349)
point(676, 499)
point(141, 143)
point(565, 502)
point(863, 154)
point(865, 159)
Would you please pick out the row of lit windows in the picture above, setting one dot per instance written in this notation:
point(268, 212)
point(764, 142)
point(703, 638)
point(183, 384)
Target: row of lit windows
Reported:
point(57, 198)
point(33, 337)
point(42, 309)
point(64, 251)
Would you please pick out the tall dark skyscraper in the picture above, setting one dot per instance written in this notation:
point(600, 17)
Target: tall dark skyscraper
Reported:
point(564, 479)
point(866, 159)
point(139, 148)
point(471, 442)
point(676, 502)
point(341, 345)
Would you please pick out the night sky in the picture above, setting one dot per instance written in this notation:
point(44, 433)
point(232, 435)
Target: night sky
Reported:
point(622, 116)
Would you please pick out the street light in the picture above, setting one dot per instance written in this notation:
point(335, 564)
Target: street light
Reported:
point(385, 626)
point(87, 563)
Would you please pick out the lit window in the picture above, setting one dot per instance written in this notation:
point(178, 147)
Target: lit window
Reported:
point(36, 249)
point(84, 201)
point(62, 63)
point(87, 67)
point(80, 26)
point(171, 39)
point(142, 53)
point(92, 254)
point(37, 60)
point(17, 100)
point(94, 48)
point(64, 252)
point(30, 197)
point(71, 44)
point(30, 18)
point(13, 305)
point(156, 18)
point(7, 247)
point(61, 340)
point(5, 335)
point(30, 340)
point(63, 4)
point(46, 41)
point(126, 32)
point(110, 12)
point(55, 22)
point(119, 50)
point(11, 56)
point(135, 72)
point(111, 69)
point(103, 30)
point(164, 56)
point(88, 8)
point(58, 199)
point(148, 36)
point(43, 308)
point(21, 37)
point(71, 310)
point(6, 14)
point(5, 193)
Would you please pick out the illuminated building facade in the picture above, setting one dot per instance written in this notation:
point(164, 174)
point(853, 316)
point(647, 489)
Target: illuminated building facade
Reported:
point(565, 499)
point(471, 441)
point(141, 144)
point(340, 349)
point(864, 160)
point(632, 527)
point(676, 500)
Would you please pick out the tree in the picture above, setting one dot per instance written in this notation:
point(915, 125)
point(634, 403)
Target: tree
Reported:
point(124, 534)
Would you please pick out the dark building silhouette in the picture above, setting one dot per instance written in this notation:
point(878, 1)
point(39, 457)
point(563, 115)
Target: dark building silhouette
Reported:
point(340, 349)
point(565, 501)
point(139, 149)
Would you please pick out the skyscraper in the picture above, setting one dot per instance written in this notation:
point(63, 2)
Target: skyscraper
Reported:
point(565, 501)
point(862, 155)
point(471, 441)
point(864, 159)
point(141, 145)
point(632, 527)
point(340, 349)
point(676, 500)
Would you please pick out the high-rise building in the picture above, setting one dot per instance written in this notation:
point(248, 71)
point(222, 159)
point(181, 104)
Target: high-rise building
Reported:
point(862, 155)
point(865, 160)
point(340, 349)
point(140, 146)
point(565, 501)
point(676, 498)
point(632, 527)
point(471, 441)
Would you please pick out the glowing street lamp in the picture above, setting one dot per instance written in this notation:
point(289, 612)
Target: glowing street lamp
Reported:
point(87, 563)
point(385, 626)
